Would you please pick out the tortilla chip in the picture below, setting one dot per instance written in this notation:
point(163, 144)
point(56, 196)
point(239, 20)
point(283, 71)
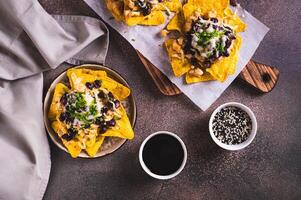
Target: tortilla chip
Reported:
point(93, 142)
point(226, 66)
point(153, 19)
point(79, 77)
point(93, 149)
point(195, 79)
point(172, 5)
point(73, 146)
point(124, 129)
point(176, 22)
point(116, 8)
point(59, 91)
point(179, 66)
point(204, 7)
point(233, 20)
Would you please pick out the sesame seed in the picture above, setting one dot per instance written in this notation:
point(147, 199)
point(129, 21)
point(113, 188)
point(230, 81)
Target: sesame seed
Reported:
point(232, 125)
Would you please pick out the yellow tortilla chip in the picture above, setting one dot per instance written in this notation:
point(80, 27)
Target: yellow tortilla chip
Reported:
point(93, 149)
point(116, 8)
point(176, 22)
point(124, 129)
point(195, 79)
point(73, 146)
point(153, 19)
point(79, 77)
point(93, 142)
point(59, 91)
point(226, 66)
point(233, 20)
point(179, 66)
point(172, 5)
point(205, 7)
point(118, 90)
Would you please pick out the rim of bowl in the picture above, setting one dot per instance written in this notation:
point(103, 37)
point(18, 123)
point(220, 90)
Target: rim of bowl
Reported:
point(234, 147)
point(162, 177)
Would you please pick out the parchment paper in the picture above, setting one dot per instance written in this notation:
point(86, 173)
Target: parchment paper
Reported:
point(148, 41)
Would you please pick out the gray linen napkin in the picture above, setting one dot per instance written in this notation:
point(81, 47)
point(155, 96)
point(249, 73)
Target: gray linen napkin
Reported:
point(32, 41)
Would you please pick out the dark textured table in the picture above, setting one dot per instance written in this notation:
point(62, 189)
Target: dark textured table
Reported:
point(270, 168)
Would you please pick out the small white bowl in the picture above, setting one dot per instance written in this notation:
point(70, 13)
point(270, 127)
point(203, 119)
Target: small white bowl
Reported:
point(242, 145)
point(162, 177)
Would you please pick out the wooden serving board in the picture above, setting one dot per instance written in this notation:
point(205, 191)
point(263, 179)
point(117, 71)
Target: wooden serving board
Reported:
point(260, 76)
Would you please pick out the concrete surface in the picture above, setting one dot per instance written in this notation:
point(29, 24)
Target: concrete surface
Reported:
point(270, 168)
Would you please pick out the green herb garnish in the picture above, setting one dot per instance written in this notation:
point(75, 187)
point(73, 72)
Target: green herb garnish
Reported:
point(93, 109)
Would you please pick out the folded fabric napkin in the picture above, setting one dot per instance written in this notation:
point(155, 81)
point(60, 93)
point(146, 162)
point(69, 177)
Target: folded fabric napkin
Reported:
point(32, 41)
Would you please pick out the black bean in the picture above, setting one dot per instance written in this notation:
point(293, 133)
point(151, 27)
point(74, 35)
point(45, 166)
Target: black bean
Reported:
point(109, 104)
point(207, 64)
point(213, 56)
point(112, 122)
point(104, 110)
point(71, 131)
point(220, 28)
point(227, 27)
point(110, 95)
point(228, 43)
point(205, 17)
point(145, 7)
point(64, 99)
point(63, 116)
point(214, 20)
point(66, 137)
point(227, 33)
point(232, 37)
point(99, 120)
point(70, 119)
point(101, 95)
point(117, 103)
point(79, 110)
point(226, 54)
point(89, 85)
point(97, 83)
point(87, 125)
point(103, 129)
point(206, 26)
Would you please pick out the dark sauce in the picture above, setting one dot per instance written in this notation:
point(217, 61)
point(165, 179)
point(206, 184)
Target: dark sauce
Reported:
point(163, 154)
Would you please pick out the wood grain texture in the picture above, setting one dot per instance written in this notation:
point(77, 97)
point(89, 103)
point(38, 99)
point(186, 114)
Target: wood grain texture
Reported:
point(162, 82)
point(260, 76)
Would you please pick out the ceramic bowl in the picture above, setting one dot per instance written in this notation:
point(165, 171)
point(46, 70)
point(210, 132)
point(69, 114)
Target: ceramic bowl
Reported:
point(110, 144)
point(156, 176)
point(252, 135)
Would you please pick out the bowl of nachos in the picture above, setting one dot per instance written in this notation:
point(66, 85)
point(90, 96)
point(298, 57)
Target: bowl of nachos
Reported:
point(89, 111)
